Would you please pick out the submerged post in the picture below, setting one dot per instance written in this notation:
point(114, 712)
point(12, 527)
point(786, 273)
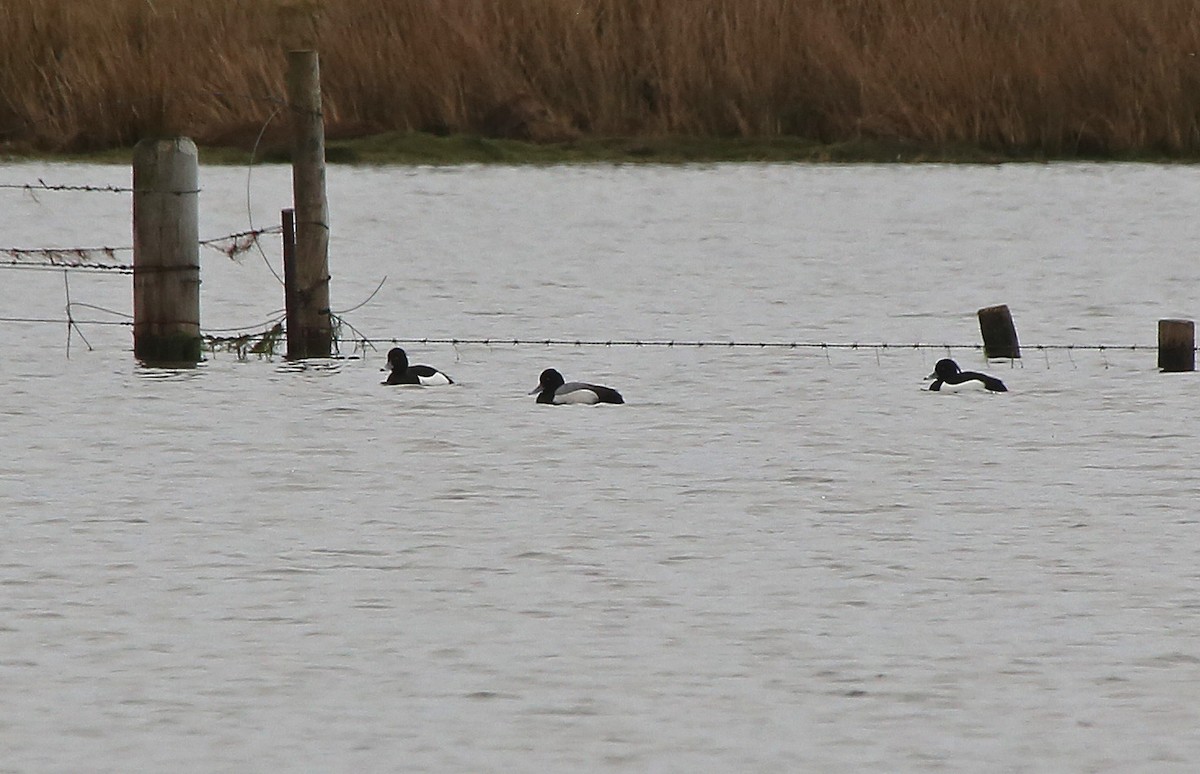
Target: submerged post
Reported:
point(166, 252)
point(310, 330)
point(1176, 345)
point(999, 333)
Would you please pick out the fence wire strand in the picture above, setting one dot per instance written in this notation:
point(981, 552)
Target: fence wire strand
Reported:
point(264, 338)
point(42, 185)
point(104, 258)
point(716, 343)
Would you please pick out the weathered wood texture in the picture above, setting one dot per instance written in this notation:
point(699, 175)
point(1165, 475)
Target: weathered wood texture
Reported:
point(310, 329)
point(1177, 345)
point(166, 252)
point(999, 333)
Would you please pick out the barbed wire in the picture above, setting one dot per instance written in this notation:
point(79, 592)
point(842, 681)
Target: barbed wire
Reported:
point(83, 266)
point(264, 339)
point(94, 258)
point(714, 343)
point(65, 321)
point(241, 331)
point(42, 185)
point(241, 242)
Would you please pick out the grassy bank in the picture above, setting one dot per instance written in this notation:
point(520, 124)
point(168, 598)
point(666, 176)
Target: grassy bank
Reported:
point(552, 79)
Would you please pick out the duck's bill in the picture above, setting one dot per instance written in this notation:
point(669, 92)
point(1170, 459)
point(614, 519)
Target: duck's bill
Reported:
point(535, 390)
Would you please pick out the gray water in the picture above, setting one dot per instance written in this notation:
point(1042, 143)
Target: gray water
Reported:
point(768, 560)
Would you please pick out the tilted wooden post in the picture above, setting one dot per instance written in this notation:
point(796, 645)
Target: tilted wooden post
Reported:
point(166, 252)
point(310, 328)
point(1176, 345)
point(999, 333)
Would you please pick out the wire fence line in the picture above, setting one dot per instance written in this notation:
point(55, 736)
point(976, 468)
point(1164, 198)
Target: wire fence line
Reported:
point(718, 343)
point(268, 340)
point(42, 185)
point(65, 321)
point(263, 342)
point(275, 326)
point(81, 259)
point(105, 258)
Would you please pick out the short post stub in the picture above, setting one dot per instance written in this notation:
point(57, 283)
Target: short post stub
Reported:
point(166, 252)
point(1176, 345)
point(999, 333)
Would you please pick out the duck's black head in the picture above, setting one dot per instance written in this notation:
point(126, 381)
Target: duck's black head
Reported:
point(945, 368)
point(397, 359)
point(550, 380)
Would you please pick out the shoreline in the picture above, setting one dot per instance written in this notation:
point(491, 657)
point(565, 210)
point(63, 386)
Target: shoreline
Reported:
point(422, 149)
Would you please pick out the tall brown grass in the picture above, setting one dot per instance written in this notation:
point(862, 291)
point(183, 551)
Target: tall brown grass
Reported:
point(1033, 76)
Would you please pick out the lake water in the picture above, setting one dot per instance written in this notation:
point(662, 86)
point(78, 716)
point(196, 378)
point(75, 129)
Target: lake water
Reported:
point(768, 560)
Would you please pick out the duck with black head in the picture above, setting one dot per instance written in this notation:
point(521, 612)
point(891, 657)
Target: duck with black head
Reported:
point(403, 373)
point(948, 376)
point(553, 389)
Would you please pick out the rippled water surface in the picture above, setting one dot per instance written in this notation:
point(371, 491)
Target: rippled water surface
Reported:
point(768, 560)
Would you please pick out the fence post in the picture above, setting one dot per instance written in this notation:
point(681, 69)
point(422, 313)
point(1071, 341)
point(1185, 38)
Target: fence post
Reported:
point(291, 308)
point(1176, 345)
point(166, 252)
point(999, 333)
point(313, 327)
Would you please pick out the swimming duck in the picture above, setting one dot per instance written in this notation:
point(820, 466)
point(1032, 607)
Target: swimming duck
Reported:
point(403, 373)
point(947, 372)
point(552, 389)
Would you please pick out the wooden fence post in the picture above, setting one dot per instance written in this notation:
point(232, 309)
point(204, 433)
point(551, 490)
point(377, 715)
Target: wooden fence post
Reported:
point(290, 305)
point(1176, 345)
point(166, 252)
point(311, 329)
point(999, 333)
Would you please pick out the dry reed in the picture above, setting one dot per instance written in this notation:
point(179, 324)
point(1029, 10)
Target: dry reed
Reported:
point(1053, 77)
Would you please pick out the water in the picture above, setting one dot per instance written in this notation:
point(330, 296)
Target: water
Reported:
point(768, 560)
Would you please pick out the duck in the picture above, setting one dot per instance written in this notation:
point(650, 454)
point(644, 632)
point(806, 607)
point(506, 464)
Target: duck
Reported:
point(947, 372)
point(403, 373)
point(554, 390)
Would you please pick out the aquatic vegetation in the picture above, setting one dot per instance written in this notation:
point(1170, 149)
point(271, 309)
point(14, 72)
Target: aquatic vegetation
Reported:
point(1029, 77)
